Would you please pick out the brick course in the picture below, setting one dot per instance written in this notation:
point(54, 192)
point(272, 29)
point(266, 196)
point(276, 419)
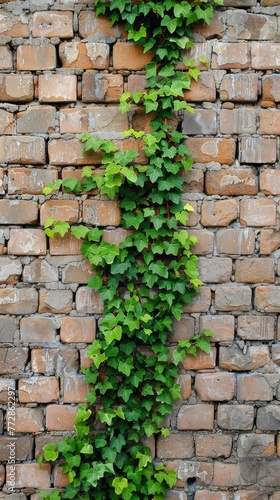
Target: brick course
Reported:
point(62, 72)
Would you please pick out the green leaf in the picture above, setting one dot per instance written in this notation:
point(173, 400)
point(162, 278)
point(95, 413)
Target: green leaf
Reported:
point(120, 483)
point(95, 282)
point(87, 449)
point(50, 452)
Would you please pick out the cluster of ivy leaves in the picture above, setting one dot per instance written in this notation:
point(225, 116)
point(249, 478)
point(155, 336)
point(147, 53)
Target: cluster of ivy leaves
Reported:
point(144, 282)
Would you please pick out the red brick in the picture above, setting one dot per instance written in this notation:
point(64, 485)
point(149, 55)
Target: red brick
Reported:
point(202, 471)
point(6, 59)
point(233, 298)
point(55, 301)
point(88, 301)
point(98, 87)
point(233, 358)
point(265, 55)
point(200, 302)
point(130, 57)
point(69, 152)
point(84, 55)
point(29, 181)
point(183, 329)
point(116, 236)
point(230, 56)
point(211, 31)
point(18, 301)
point(257, 150)
point(238, 121)
point(269, 122)
point(36, 119)
point(213, 445)
point(270, 182)
point(6, 122)
point(253, 387)
point(14, 25)
point(235, 241)
point(218, 386)
point(98, 119)
point(201, 361)
point(222, 327)
point(60, 417)
point(256, 327)
point(185, 382)
point(29, 420)
point(51, 24)
point(68, 245)
point(205, 241)
point(57, 88)
point(204, 150)
point(269, 241)
point(176, 445)
point(258, 445)
point(256, 270)
point(27, 242)
point(62, 210)
point(13, 360)
point(74, 389)
point(231, 182)
point(60, 480)
point(31, 475)
point(202, 122)
point(18, 212)
point(258, 213)
point(193, 181)
point(215, 269)
point(270, 87)
point(236, 417)
point(219, 213)
point(202, 90)
point(6, 384)
point(99, 26)
point(77, 329)
point(267, 298)
point(226, 474)
point(199, 50)
point(38, 390)
point(239, 87)
point(40, 271)
point(36, 329)
point(10, 270)
point(211, 495)
point(196, 417)
point(101, 213)
point(36, 58)
point(251, 495)
point(77, 272)
point(22, 149)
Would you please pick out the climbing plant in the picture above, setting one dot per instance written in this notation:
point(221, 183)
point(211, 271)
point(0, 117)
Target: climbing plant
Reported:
point(145, 281)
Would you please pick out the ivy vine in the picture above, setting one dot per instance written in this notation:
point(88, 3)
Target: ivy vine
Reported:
point(145, 281)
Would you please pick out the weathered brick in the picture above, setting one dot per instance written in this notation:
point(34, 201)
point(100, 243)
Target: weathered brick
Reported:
point(215, 269)
point(230, 56)
point(68, 245)
point(211, 495)
point(219, 213)
point(200, 302)
point(36, 119)
point(213, 445)
point(61, 362)
point(101, 213)
point(245, 26)
point(69, 152)
point(38, 389)
point(40, 271)
point(18, 301)
point(235, 417)
point(235, 241)
point(6, 122)
point(22, 149)
point(16, 88)
point(218, 386)
point(205, 241)
point(98, 87)
point(77, 329)
point(18, 211)
point(6, 384)
point(196, 417)
point(116, 236)
point(176, 495)
point(268, 418)
point(51, 24)
point(255, 270)
point(6, 59)
point(97, 27)
point(84, 55)
point(176, 445)
point(105, 121)
point(60, 417)
point(62, 210)
point(41, 441)
point(258, 445)
point(29, 420)
point(231, 182)
point(250, 495)
point(29, 181)
point(270, 182)
point(253, 387)
point(201, 361)
point(27, 242)
point(10, 270)
point(275, 354)
point(269, 241)
point(13, 360)
point(193, 181)
point(256, 327)
point(77, 272)
point(233, 298)
point(14, 25)
point(8, 328)
point(31, 475)
point(185, 382)
point(269, 122)
point(214, 30)
point(182, 329)
point(234, 359)
point(203, 121)
point(202, 90)
point(222, 327)
point(36, 58)
point(74, 389)
point(267, 298)
point(55, 301)
point(185, 469)
point(129, 56)
point(257, 150)
point(136, 83)
point(88, 301)
point(226, 474)
point(23, 448)
point(57, 88)
point(238, 121)
point(270, 87)
point(239, 87)
point(60, 480)
point(212, 149)
point(37, 329)
point(265, 55)
point(257, 213)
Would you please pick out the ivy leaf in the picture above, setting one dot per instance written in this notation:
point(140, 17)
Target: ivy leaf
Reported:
point(50, 452)
point(120, 483)
point(95, 282)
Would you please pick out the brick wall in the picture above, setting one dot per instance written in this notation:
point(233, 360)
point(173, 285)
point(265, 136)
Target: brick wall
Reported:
point(62, 72)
